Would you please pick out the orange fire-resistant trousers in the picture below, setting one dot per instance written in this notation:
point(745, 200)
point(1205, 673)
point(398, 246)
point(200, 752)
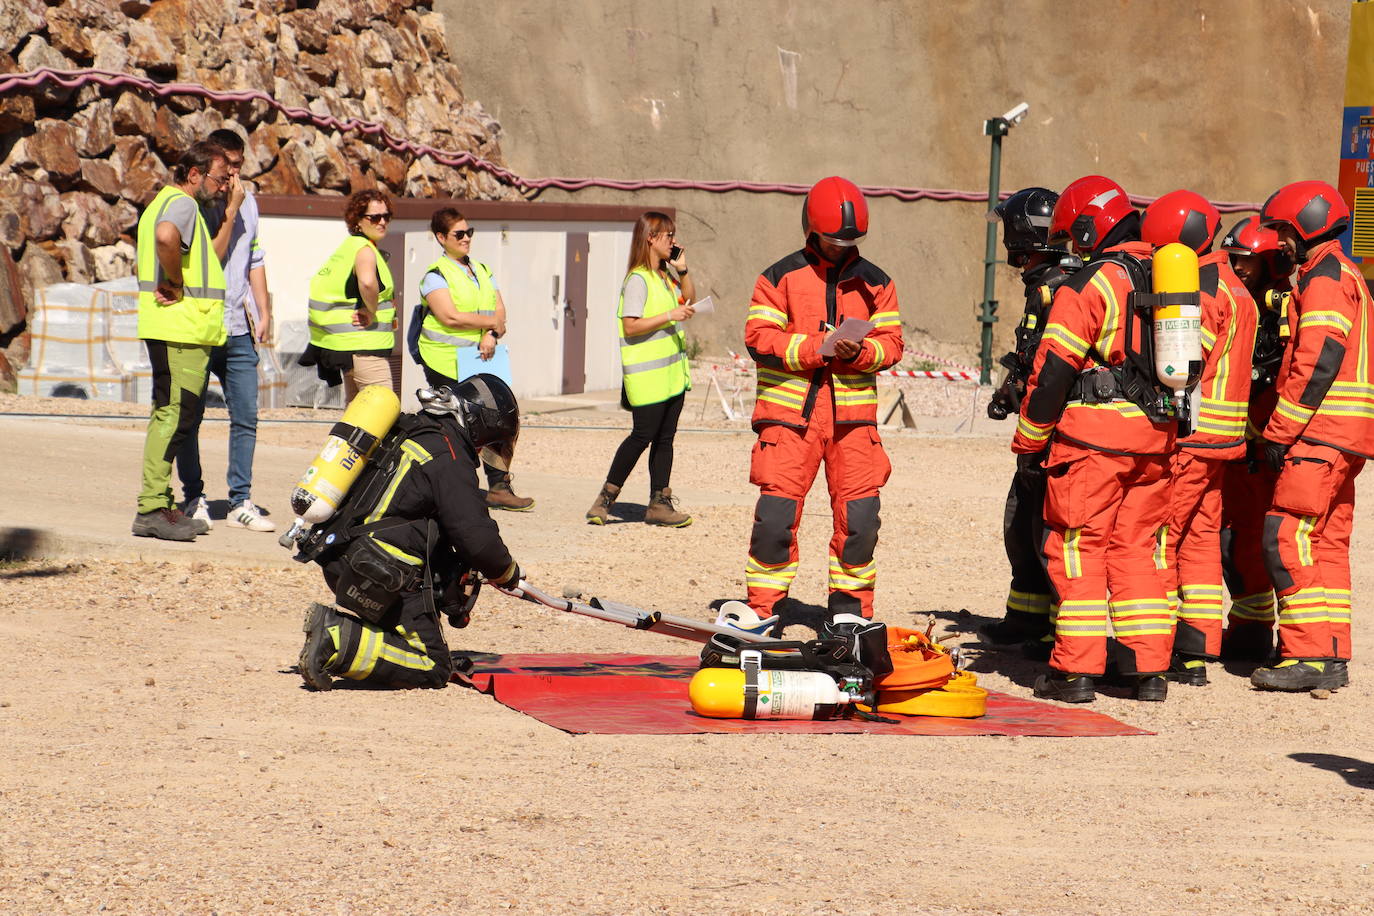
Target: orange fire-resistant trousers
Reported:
point(1193, 552)
point(1246, 495)
point(1103, 517)
point(784, 465)
point(1307, 550)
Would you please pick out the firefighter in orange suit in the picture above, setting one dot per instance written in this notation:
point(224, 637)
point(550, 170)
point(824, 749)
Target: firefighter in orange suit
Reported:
point(1193, 539)
point(813, 407)
point(1318, 438)
point(1248, 486)
point(1107, 495)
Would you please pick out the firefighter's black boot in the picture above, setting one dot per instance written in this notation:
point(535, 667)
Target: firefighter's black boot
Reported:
point(319, 651)
point(1153, 688)
point(1297, 674)
point(1187, 669)
point(1066, 688)
point(1247, 642)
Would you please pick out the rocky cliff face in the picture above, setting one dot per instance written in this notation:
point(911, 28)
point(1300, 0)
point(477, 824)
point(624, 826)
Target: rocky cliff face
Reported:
point(78, 163)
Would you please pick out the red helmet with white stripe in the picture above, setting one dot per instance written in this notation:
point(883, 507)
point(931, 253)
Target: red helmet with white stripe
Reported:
point(836, 211)
point(1087, 211)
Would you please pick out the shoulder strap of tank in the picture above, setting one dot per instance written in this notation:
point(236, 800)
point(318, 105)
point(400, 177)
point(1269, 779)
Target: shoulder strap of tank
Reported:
point(1137, 269)
point(360, 499)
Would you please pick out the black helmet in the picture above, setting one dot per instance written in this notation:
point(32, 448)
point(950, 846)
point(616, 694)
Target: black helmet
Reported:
point(485, 407)
point(1025, 219)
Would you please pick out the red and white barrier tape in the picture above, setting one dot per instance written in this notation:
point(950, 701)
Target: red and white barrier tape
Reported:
point(939, 360)
point(947, 374)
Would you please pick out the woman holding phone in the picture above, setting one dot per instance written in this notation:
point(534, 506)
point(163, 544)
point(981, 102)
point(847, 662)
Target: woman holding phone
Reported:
point(655, 298)
point(352, 314)
point(463, 313)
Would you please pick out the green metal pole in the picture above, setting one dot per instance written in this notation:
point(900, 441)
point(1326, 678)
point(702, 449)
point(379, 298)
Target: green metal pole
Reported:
point(988, 315)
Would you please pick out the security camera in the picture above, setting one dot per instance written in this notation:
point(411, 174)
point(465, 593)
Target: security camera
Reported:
point(1017, 114)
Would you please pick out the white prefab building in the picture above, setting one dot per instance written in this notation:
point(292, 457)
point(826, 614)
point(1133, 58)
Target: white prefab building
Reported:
point(559, 268)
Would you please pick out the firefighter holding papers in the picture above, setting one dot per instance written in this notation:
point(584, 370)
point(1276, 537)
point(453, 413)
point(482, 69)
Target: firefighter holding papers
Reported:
point(1318, 438)
point(818, 400)
point(1107, 491)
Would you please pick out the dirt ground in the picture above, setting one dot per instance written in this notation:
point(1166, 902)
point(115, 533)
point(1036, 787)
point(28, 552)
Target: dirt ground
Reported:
point(160, 754)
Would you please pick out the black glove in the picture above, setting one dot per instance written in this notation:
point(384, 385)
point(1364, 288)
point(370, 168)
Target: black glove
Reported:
point(1275, 454)
point(1034, 462)
point(511, 578)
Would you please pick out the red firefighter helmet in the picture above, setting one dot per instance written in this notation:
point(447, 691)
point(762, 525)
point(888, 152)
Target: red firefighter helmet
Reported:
point(1181, 216)
point(836, 211)
point(1314, 209)
point(1087, 211)
point(1248, 237)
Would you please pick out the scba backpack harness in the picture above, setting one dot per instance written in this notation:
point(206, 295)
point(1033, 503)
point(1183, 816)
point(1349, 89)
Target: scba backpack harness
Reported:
point(1162, 340)
point(370, 580)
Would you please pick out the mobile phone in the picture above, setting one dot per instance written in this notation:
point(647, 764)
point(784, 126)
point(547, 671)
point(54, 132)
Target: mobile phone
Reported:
point(675, 253)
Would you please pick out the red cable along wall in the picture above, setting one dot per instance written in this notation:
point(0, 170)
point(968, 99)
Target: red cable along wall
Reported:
point(75, 79)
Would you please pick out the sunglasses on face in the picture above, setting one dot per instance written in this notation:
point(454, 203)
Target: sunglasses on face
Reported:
point(461, 234)
point(377, 219)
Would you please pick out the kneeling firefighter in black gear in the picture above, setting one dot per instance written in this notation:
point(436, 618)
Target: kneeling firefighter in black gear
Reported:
point(1044, 267)
point(403, 547)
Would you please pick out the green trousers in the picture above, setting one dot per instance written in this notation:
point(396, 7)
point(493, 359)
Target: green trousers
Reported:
point(180, 373)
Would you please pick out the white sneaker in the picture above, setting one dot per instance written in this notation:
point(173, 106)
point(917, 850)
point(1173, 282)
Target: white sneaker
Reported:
point(247, 515)
point(199, 509)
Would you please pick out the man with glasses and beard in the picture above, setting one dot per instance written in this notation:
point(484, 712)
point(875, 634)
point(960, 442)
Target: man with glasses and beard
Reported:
point(180, 318)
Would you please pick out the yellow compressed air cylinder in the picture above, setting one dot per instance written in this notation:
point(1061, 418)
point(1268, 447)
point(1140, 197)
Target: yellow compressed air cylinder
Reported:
point(718, 693)
point(1177, 326)
point(322, 487)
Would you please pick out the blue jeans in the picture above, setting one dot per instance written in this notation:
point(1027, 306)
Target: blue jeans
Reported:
point(236, 366)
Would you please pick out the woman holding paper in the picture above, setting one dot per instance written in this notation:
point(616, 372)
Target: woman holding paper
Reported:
point(654, 299)
point(460, 324)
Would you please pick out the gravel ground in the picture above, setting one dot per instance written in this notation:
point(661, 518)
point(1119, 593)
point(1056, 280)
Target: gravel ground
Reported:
point(162, 756)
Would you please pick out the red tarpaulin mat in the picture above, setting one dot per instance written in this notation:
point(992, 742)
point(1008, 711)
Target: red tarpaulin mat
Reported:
point(647, 695)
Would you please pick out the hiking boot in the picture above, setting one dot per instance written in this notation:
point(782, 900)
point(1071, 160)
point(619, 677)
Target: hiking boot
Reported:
point(663, 510)
point(1298, 674)
point(1154, 688)
point(319, 651)
point(1187, 669)
point(198, 510)
point(1013, 630)
point(501, 496)
point(168, 524)
point(1038, 650)
point(1247, 642)
point(601, 508)
point(247, 515)
point(1066, 688)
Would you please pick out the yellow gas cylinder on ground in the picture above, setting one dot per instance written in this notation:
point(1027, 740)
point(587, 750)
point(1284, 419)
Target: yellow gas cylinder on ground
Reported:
point(1177, 319)
point(719, 693)
point(324, 484)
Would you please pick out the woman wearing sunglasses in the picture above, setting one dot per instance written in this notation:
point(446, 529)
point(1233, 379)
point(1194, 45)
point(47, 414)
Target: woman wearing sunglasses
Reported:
point(654, 300)
point(463, 312)
point(352, 315)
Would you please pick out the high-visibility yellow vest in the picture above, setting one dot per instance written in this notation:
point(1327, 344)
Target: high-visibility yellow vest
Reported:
point(331, 308)
point(439, 343)
point(655, 364)
point(199, 317)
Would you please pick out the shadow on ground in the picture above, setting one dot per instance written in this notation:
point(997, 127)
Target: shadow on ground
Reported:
point(1359, 773)
point(21, 543)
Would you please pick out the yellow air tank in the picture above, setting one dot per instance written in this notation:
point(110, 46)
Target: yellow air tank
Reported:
point(324, 484)
point(1177, 325)
point(718, 693)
